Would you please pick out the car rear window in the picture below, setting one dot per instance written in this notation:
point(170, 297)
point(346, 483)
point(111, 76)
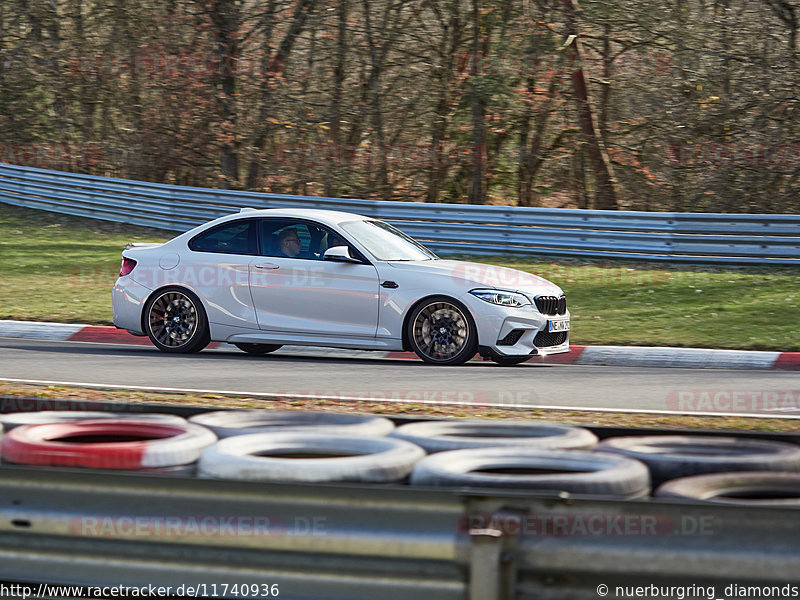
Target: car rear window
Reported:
point(238, 237)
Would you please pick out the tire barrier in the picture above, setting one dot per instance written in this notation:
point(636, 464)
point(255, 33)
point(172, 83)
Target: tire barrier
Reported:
point(107, 444)
point(309, 457)
point(227, 423)
point(673, 456)
point(311, 446)
point(515, 467)
point(12, 420)
point(440, 436)
point(749, 488)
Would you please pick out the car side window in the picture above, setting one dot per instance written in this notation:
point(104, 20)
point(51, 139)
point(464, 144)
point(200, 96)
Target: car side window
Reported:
point(230, 238)
point(287, 238)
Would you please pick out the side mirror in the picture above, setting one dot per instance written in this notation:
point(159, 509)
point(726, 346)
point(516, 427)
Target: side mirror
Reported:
point(339, 254)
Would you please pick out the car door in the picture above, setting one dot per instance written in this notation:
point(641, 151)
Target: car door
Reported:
point(217, 267)
point(301, 293)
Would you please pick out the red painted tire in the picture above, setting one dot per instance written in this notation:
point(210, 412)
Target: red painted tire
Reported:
point(106, 444)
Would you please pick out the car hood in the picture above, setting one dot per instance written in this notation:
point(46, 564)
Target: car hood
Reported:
point(470, 275)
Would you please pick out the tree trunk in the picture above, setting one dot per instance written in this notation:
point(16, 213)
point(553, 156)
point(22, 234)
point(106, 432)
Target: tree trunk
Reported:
point(274, 65)
point(605, 194)
point(331, 187)
point(478, 189)
point(531, 155)
point(447, 51)
point(226, 17)
point(374, 86)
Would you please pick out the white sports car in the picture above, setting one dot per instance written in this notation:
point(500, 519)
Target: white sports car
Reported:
point(259, 279)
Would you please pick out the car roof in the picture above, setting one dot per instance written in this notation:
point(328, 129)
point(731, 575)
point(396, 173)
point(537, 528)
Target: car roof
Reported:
point(327, 217)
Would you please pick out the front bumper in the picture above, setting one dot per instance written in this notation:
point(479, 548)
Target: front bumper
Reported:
point(521, 331)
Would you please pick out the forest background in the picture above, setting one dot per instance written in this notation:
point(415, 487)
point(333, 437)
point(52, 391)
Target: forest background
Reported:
point(679, 105)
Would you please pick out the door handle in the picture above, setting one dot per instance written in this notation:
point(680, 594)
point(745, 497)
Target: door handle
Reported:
point(266, 266)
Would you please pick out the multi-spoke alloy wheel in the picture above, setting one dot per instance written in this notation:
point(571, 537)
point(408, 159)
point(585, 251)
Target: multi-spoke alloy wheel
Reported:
point(442, 332)
point(176, 322)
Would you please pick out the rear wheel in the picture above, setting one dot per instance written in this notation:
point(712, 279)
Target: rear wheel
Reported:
point(175, 321)
point(442, 332)
point(258, 349)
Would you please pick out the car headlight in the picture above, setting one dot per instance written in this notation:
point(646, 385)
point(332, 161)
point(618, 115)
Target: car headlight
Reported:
point(501, 298)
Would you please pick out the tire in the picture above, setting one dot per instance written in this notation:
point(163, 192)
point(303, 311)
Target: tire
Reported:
point(750, 488)
point(309, 458)
point(175, 321)
point(258, 349)
point(107, 444)
point(672, 456)
point(441, 332)
point(439, 436)
point(552, 471)
point(509, 361)
point(228, 423)
point(12, 420)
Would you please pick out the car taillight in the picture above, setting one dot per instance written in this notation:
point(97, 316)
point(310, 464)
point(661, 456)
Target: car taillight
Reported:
point(126, 266)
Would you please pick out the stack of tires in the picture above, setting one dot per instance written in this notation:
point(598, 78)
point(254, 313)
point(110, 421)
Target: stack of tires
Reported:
point(293, 446)
point(298, 447)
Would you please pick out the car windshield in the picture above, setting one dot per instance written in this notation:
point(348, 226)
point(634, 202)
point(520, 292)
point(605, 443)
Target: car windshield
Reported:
point(385, 242)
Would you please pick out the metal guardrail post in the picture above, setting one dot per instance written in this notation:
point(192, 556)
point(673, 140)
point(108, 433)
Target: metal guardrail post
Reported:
point(492, 564)
point(485, 567)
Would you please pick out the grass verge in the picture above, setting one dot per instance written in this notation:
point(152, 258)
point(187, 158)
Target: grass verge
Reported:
point(60, 268)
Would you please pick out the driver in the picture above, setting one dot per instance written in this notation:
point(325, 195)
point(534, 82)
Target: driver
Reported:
point(289, 243)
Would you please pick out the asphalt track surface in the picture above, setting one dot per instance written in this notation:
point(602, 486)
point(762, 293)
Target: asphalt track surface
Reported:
point(316, 372)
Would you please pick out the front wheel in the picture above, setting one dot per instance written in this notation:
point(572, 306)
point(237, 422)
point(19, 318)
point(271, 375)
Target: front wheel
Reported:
point(175, 321)
point(442, 332)
point(258, 349)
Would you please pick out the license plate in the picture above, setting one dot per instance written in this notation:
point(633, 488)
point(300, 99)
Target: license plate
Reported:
point(556, 326)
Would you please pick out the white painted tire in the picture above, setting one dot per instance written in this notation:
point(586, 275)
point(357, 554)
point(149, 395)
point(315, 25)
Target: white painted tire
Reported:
point(573, 471)
point(441, 436)
point(159, 445)
point(12, 420)
point(340, 458)
point(228, 423)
